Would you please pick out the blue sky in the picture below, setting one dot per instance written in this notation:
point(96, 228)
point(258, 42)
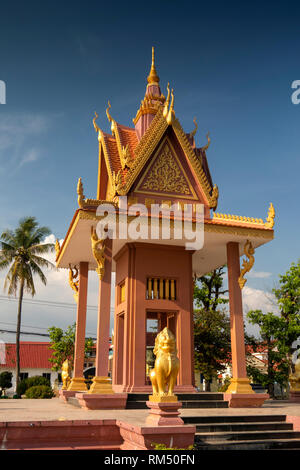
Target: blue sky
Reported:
point(231, 65)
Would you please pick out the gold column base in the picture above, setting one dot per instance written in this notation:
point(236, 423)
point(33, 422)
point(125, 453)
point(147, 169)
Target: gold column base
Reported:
point(77, 385)
point(239, 386)
point(101, 385)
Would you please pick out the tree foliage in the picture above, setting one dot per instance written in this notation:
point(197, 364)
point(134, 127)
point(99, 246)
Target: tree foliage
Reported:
point(271, 329)
point(62, 345)
point(22, 253)
point(211, 325)
point(5, 381)
point(212, 342)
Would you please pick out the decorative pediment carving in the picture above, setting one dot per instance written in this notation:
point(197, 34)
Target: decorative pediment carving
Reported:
point(166, 175)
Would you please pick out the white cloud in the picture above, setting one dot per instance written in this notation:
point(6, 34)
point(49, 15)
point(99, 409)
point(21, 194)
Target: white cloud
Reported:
point(17, 132)
point(259, 274)
point(257, 299)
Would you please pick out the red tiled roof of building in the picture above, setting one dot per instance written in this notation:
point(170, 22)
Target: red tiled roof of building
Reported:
point(33, 355)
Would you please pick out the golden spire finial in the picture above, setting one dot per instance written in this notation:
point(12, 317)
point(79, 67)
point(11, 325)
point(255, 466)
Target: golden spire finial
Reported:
point(193, 133)
point(153, 78)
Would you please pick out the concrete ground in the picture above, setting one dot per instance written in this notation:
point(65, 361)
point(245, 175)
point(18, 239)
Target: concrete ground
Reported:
point(54, 409)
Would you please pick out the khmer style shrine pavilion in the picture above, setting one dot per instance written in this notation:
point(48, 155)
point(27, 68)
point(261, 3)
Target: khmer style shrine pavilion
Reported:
point(155, 162)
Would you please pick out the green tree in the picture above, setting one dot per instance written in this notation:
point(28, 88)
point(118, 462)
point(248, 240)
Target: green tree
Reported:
point(272, 329)
point(21, 252)
point(209, 291)
point(288, 300)
point(211, 342)
point(211, 325)
point(62, 345)
point(5, 381)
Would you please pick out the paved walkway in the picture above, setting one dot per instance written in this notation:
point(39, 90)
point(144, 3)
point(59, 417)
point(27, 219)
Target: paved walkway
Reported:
point(54, 409)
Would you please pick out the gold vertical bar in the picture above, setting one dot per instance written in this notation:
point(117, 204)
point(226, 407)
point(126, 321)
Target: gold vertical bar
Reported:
point(155, 288)
point(161, 288)
point(172, 289)
point(149, 288)
point(167, 289)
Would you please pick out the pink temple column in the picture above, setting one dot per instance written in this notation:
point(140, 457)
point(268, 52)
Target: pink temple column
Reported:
point(77, 382)
point(239, 393)
point(101, 382)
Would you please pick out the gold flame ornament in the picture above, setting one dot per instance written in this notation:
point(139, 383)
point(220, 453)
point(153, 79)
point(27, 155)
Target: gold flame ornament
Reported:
point(57, 248)
point(98, 249)
point(247, 265)
point(74, 281)
point(81, 196)
point(271, 216)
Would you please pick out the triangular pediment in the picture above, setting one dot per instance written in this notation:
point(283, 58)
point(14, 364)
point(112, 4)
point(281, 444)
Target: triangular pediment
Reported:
point(166, 176)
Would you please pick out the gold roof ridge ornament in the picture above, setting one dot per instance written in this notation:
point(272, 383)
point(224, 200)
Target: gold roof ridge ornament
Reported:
point(74, 281)
point(98, 249)
point(167, 102)
point(107, 112)
point(171, 113)
point(153, 78)
point(214, 197)
point(81, 196)
point(193, 133)
point(57, 248)
point(271, 216)
point(94, 122)
point(208, 143)
point(247, 265)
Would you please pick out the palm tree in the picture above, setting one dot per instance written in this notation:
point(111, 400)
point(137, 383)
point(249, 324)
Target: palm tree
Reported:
point(21, 251)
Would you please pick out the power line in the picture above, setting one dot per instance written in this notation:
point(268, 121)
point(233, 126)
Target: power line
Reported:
point(48, 303)
point(31, 333)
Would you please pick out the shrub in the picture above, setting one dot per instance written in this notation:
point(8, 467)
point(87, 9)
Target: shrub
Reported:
point(39, 391)
point(31, 382)
point(5, 381)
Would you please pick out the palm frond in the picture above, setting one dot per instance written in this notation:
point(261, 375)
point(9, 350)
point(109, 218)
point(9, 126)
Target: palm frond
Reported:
point(42, 248)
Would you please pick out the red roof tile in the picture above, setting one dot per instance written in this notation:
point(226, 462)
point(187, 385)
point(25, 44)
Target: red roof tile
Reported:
point(33, 355)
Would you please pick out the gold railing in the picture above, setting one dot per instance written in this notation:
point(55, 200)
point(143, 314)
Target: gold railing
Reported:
point(161, 288)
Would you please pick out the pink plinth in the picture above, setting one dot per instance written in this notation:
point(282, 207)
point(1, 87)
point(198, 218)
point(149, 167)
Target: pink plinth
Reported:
point(245, 400)
point(99, 401)
point(295, 420)
point(295, 396)
point(164, 414)
point(65, 394)
point(145, 437)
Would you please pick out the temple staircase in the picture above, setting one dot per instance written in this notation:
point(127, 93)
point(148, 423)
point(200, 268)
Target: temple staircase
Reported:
point(248, 432)
point(137, 401)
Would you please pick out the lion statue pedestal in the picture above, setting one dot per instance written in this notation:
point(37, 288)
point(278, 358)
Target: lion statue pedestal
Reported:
point(163, 403)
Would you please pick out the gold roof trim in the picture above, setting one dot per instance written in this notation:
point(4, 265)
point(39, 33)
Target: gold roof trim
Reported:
point(145, 148)
point(237, 218)
point(210, 193)
point(269, 224)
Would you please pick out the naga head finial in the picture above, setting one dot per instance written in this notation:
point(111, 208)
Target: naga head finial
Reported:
point(107, 112)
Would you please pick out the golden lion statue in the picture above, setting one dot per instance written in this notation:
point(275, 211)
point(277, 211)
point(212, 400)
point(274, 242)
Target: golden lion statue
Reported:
point(166, 365)
point(66, 374)
point(295, 377)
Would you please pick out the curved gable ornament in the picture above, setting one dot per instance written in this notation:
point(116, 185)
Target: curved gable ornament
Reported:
point(247, 264)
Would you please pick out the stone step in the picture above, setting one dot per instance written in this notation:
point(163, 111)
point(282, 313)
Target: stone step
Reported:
point(181, 396)
point(222, 437)
point(272, 444)
point(238, 427)
point(233, 419)
point(137, 405)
